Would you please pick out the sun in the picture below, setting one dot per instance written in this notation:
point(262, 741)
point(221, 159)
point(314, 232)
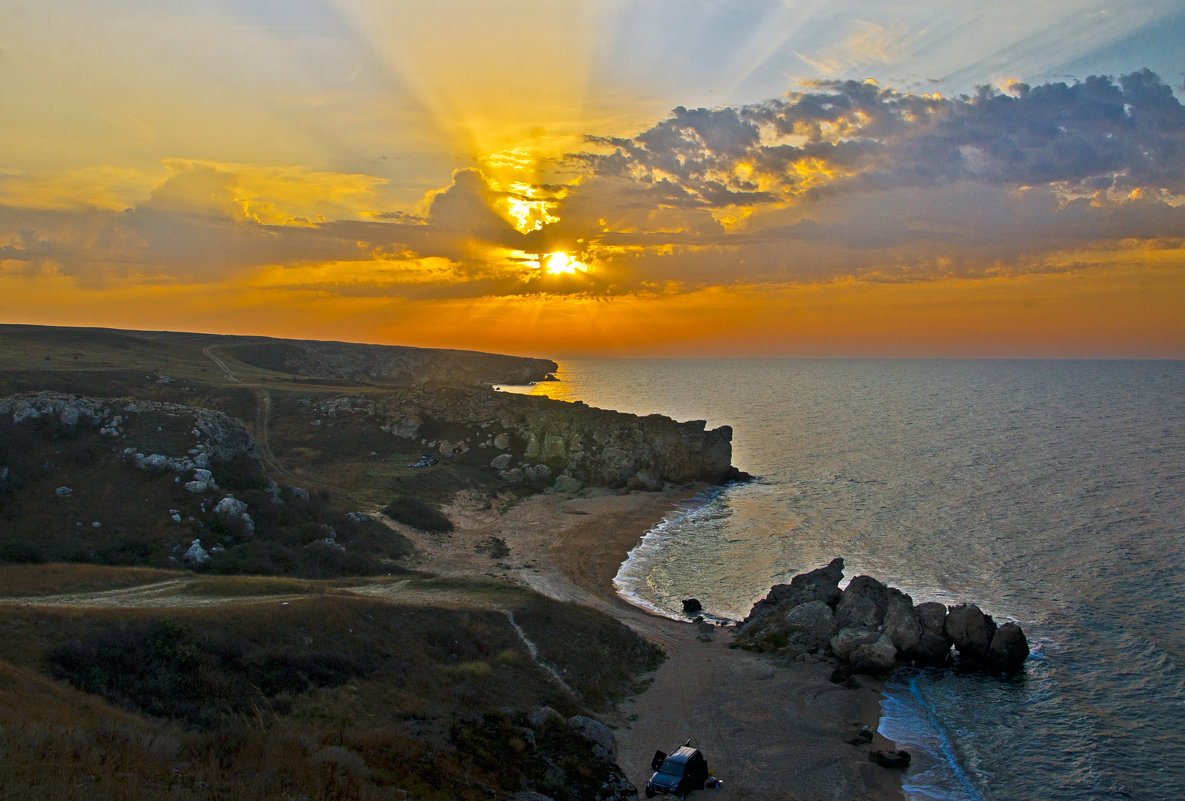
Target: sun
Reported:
point(560, 263)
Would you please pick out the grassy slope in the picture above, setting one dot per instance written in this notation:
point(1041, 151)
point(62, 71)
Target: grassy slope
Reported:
point(421, 693)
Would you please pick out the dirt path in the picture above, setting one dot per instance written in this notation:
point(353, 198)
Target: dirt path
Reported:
point(230, 374)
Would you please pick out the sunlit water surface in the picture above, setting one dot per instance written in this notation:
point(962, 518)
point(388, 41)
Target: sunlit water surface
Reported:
point(1050, 492)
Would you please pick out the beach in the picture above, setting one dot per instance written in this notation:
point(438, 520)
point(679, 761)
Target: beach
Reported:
point(769, 730)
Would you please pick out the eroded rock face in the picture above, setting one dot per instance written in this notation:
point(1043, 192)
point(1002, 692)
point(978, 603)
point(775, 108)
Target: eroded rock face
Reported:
point(546, 438)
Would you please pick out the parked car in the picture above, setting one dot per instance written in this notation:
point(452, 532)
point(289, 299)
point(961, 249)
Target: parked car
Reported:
point(680, 773)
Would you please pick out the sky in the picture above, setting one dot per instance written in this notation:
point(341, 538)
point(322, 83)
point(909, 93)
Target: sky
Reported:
point(560, 178)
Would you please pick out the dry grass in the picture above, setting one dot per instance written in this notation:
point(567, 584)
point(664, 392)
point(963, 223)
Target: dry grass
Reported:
point(61, 578)
point(426, 707)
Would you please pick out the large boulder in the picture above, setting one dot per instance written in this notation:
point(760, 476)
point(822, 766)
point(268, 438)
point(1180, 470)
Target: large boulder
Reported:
point(901, 622)
point(863, 604)
point(932, 616)
point(821, 584)
point(874, 658)
point(846, 641)
point(604, 744)
point(971, 631)
point(1009, 649)
point(932, 650)
point(810, 626)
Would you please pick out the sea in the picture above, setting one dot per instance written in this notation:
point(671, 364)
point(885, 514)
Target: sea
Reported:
point(1051, 493)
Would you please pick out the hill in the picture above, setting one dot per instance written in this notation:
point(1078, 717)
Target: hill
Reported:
point(208, 548)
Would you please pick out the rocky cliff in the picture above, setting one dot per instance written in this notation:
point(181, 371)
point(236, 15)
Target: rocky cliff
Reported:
point(541, 441)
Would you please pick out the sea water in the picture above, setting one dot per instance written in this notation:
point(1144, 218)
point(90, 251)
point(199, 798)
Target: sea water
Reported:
point(1048, 492)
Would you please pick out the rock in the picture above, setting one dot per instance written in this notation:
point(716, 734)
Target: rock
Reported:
point(901, 622)
point(1009, 649)
point(597, 733)
point(932, 616)
point(540, 717)
point(63, 492)
point(874, 658)
point(849, 639)
point(196, 555)
point(203, 475)
point(932, 650)
point(821, 584)
point(567, 484)
point(863, 604)
point(692, 606)
point(501, 461)
point(863, 736)
point(233, 514)
point(890, 759)
point(811, 625)
point(502, 441)
point(197, 487)
point(970, 630)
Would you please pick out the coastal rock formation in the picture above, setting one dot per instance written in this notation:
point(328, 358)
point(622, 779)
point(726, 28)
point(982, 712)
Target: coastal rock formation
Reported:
point(551, 443)
point(872, 628)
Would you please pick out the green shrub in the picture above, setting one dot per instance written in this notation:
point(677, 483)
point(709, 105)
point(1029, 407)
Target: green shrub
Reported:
point(418, 514)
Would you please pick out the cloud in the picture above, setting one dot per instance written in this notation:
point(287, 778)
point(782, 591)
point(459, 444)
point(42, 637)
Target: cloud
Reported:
point(843, 179)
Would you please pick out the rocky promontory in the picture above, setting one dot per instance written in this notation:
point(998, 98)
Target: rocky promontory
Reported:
point(550, 443)
point(869, 627)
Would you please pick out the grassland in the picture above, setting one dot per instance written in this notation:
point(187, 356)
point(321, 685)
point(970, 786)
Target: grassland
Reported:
point(283, 668)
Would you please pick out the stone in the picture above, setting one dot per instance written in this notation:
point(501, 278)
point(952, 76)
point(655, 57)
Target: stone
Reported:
point(821, 584)
point(932, 616)
point(863, 603)
point(196, 555)
point(197, 487)
point(811, 625)
point(901, 622)
point(63, 492)
point(567, 484)
point(502, 441)
point(932, 650)
point(604, 745)
point(897, 759)
point(874, 658)
point(970, 630)
point(849, 639)
point(501, 461)
point(233, 514)
point(1009, 649)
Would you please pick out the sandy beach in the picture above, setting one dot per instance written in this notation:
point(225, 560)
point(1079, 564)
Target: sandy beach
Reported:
point(768, 730)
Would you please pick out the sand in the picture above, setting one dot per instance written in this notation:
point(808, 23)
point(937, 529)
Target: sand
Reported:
point(768, 730)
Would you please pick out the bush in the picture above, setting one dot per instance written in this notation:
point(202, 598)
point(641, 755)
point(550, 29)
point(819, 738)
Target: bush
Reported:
point(418, 514)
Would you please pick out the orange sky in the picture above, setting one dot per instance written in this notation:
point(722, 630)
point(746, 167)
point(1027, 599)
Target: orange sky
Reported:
point(828, 183)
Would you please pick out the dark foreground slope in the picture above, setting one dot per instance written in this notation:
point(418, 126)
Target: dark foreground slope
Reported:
point(148, 484)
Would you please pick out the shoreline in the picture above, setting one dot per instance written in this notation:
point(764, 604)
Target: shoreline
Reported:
point(768, 730)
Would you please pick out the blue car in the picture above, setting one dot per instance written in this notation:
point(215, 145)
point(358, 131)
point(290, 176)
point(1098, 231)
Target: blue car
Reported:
point(680, 773)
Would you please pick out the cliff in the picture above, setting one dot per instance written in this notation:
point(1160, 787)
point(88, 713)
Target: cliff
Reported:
point(555, 443)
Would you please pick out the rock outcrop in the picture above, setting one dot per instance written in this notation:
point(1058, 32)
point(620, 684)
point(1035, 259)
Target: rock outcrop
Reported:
point(549, 443)
point(872, 628)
